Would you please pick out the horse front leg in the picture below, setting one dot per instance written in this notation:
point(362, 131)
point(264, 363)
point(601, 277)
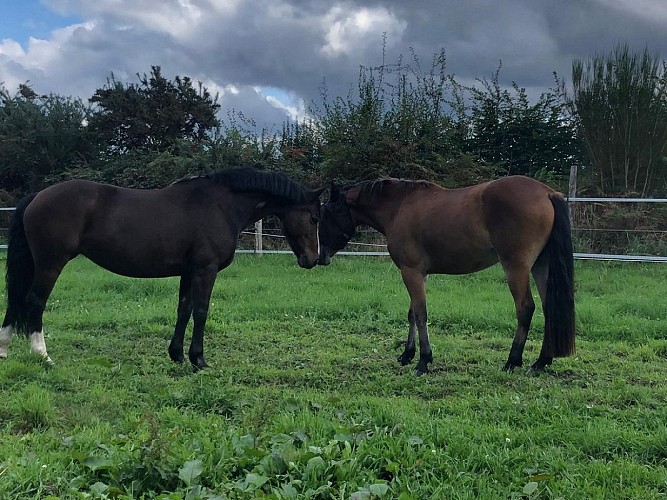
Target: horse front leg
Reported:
point(409, 352)
point(202, 286)
point(6, 333)
point(183, 314)
point(415, 282)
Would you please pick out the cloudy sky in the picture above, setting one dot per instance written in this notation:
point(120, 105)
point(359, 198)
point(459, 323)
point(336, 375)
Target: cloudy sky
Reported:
point(267, 57)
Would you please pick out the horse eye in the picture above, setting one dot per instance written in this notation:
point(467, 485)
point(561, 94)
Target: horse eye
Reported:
point(314, 219)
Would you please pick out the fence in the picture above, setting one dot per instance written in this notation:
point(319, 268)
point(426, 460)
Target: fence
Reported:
point(267, 240)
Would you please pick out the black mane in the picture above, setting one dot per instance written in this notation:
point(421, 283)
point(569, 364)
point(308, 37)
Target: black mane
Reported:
point(245, 179)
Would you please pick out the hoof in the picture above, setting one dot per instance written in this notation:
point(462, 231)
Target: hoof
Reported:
point(421, 368)
point(199, 364)
point(177, 359)
point(176, 354)
point(406, 358)
point(540, 365)
point(419, 371)
point(510, 366)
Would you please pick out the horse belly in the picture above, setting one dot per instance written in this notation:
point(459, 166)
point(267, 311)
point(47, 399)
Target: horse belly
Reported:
point(458, 250)
point(465, 261)
point(138, 263)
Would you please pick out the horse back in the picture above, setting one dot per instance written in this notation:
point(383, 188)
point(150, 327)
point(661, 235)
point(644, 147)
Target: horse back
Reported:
point(459, 231)
point(133, 232)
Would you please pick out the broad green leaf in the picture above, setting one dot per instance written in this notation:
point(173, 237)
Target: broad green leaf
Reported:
point(530, 488)
point(190, 471)
point(379, 489)
point(99, 488)
point(288, 491)
point(97, 463)
point(316, 463)
point(256, 480)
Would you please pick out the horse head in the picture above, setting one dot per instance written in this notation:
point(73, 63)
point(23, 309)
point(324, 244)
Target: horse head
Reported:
point(299, 222)
point(336, 225)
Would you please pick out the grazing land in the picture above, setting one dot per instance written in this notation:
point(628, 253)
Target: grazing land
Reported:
point(305, 399)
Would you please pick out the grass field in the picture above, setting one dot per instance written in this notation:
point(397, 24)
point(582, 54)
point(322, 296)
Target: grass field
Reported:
point(305, 398)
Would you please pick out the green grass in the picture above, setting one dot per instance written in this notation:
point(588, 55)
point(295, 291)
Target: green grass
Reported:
point(305, 398)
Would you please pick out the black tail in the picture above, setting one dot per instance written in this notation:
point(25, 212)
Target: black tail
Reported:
point(20, 269)
point(559, 308)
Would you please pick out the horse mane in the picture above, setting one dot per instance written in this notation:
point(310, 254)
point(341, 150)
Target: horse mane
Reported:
point(245, 179)
point(377, 186)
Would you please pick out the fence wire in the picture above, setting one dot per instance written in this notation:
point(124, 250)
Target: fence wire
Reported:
point(379, 249)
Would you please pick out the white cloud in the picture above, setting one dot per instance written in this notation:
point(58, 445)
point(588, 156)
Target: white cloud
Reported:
point(347, 30)
point(11, 49)
point(245, 51)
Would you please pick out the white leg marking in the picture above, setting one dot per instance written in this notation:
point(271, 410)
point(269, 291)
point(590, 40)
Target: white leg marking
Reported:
point(38, 345)
point(6, 333)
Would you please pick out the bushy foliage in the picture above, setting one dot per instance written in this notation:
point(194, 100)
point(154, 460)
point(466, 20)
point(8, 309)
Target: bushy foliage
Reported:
point(503, 129)
point(401, 120)
point(38, 136)
point(620, 101)
point(397, 125)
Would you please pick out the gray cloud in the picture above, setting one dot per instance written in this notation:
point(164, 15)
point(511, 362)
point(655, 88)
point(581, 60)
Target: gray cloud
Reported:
point(294, 45)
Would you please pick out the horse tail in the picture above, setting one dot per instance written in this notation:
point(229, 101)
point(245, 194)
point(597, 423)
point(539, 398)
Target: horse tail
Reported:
point(559, 315)
point(20, 269)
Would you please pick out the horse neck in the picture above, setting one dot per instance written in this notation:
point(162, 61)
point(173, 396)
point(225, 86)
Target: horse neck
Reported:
point(263, 205)
point(247, 207)
point(375, 209)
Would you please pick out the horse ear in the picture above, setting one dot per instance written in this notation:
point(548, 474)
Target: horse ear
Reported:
point(315, 194)
point(334, 193)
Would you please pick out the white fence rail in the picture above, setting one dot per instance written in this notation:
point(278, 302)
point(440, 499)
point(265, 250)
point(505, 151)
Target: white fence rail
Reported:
point(380, 250)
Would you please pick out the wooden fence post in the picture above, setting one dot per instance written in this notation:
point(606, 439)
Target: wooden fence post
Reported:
point(258, 236)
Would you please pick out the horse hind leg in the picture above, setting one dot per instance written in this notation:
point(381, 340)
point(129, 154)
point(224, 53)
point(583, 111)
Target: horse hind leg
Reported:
point(415, 282)
point(540, 273)
point(35, 303)
point(408, 353)
point(518, 280)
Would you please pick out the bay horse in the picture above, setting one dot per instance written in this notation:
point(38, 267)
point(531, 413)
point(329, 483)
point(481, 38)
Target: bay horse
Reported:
point(188, 229)
point(517, 221)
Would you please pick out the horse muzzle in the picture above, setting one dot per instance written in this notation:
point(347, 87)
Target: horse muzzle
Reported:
point(325, 259)
point(306, 261)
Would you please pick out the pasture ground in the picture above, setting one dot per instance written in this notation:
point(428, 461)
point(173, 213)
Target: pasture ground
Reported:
point(305, 399)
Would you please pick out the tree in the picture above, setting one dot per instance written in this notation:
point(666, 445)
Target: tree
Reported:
point(502, 128)
point(620, 100)
point(154, 114)
point(40, 136)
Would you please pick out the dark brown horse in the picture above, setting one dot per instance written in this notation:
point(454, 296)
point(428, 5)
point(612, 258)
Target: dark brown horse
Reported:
point(516, 221)
point(188, 229)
